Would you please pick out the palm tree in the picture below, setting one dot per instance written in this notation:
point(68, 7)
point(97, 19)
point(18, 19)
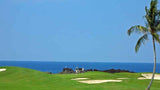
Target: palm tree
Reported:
point(152, 28)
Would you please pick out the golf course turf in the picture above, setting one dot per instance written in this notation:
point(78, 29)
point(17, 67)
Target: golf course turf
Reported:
point(17, 78)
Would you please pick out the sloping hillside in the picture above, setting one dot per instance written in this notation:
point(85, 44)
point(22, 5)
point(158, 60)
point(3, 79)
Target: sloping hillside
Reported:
point(17, 78)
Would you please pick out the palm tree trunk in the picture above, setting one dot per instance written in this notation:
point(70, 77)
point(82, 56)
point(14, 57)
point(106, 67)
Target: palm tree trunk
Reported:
point(154, 69)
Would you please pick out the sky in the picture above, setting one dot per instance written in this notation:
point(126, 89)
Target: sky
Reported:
point(73, 30)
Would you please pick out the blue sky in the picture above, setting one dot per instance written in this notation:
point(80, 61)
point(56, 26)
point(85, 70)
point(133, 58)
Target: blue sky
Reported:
point(72, 30)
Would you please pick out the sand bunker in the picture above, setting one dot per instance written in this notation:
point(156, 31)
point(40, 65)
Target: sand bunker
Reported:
point(122, 78)
point(98, 81)
point(2, 69)
point(79, 78)
point(149, 76)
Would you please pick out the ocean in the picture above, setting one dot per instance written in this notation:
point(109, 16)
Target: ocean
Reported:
point(56, 67)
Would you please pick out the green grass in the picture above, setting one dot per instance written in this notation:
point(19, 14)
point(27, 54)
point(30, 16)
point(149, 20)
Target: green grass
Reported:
point(16, 78)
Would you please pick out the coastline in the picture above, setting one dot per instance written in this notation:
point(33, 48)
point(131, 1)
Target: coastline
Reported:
point(56, 67)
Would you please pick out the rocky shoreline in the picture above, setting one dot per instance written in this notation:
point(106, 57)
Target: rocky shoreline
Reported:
point(80, 70)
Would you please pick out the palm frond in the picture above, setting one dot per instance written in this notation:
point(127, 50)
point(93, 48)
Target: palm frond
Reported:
point(158, 27)
point(158, 12)
point(137, 29)
point(156, 37)
point(147, 16)
point(151, 13)
point(149, 20)
point(140, 41)
point(153, 5)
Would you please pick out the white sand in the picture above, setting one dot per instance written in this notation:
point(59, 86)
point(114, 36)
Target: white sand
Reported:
point(2, 69)
point(122, 78)
point(98, 81)
point(149, 76)
point(141, 78)
point(79, 78)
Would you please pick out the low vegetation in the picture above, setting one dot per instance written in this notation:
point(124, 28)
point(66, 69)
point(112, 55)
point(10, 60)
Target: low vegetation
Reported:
point(16, 78)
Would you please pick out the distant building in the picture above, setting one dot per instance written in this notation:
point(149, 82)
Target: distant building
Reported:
point(79, 70)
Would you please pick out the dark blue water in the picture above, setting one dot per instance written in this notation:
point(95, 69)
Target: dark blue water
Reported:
point(56, 67)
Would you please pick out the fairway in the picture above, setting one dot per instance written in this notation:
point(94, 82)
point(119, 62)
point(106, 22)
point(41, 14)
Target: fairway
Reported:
point(16, 78)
